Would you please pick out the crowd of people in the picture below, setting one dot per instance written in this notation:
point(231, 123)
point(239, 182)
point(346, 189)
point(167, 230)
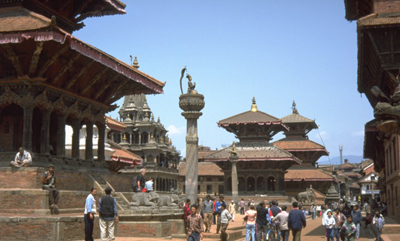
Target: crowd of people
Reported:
point(269, 221)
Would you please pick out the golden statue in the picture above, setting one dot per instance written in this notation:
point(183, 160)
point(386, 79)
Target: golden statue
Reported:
point(191, 86)
point(234, 152)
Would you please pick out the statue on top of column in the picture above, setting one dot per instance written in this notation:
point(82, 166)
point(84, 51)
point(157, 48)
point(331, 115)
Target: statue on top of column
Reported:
point(191, 86)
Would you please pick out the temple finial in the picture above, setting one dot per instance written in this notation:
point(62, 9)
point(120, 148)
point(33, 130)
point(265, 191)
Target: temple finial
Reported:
point(135, 63)
point(254, 105)
point(294, 108)
point(152, 117)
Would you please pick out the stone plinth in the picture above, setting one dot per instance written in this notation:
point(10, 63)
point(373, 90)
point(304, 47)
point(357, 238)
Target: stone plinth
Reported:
point(191, 104)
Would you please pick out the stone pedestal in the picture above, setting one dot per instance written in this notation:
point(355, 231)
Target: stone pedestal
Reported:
point(191, 104)
point(234, 159)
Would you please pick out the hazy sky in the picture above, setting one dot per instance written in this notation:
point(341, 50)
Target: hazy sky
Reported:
point(276, 51)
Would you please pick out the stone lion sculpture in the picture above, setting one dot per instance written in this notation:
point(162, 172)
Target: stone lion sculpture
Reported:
point(306, 197)
point(144, 199)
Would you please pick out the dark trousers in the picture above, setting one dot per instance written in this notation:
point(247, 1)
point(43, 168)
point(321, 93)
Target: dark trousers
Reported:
point(285, 235)
point(261, 231)
point(224, 235)
point(89, 224)
point(53, 195)
point(296, 234)
point(242, 210)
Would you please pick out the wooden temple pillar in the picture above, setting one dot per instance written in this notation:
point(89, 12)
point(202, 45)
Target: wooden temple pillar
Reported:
point(89, 142)
point(61, 134)
point(76, 126)
point(100, 145)
point(45, 133)
point(27, 128)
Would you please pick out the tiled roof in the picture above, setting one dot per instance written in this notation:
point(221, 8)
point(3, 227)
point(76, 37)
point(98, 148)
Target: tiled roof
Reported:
point(202, 154)
point(126, 154)
point(298, 145)
point(296, 118)
point(250, 117)
point(114, 124)
point(267, 152)
point(375, 19)
point(351, 174)
point(307, 175)
point(347, 166)
point(203, 169)
point(21, 19)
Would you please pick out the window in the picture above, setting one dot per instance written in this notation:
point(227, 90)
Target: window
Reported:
point(220, 179)
point(367, 187)
point(209, 179)
point(209, 189)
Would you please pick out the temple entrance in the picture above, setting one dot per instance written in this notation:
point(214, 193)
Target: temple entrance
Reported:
point(251, 184)
point(271, 184)
point(11, 125)
point(36, 130)
point(260, 184)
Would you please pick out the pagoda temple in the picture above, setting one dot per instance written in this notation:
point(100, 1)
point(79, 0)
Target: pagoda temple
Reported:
point(261, 165)
point(49, 78)
point(300, 177)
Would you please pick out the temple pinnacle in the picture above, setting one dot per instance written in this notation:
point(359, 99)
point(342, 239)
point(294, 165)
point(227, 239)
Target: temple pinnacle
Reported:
point(135, 63)
point(254, 105)
point(294, 108)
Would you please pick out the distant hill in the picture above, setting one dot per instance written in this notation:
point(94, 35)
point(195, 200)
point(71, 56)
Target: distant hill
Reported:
point(336, 160)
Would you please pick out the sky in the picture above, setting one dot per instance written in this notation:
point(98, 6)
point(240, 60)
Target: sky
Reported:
point(275, 51)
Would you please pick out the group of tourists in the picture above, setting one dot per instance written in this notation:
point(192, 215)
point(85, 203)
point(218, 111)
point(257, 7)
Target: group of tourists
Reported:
point(345, 225)
point(141, 184)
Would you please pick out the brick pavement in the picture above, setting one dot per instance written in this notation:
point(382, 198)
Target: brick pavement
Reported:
point(313, 232)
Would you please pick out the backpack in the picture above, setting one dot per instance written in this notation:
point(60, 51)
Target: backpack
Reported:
point(134, 183)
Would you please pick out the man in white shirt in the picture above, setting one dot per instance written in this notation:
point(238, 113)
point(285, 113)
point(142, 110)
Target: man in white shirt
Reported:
point(90, 211)
point(149, 185)
point(22, 158)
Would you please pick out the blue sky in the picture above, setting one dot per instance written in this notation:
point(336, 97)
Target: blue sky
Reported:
point(276, 51)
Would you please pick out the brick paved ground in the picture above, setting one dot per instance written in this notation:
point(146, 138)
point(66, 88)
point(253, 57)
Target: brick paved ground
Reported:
point(313, 232)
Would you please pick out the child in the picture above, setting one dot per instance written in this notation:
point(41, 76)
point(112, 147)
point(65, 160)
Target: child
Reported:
point(225, 217)
point(330, 226)
point(378, 221)
point(349, 229)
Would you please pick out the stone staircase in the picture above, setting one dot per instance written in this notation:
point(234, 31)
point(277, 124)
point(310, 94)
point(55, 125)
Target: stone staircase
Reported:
point(101, 184)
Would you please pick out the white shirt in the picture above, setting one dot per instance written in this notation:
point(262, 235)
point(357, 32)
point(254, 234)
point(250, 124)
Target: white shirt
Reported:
point(329, 222)
point(26, 156)
point(148, 185)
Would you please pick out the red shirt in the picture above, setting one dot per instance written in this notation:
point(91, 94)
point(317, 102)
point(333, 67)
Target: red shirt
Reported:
point(186, 212)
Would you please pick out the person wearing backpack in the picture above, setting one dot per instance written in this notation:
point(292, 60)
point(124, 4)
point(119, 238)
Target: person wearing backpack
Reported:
point(108, 215)
point(378, 221)
point(139, 181)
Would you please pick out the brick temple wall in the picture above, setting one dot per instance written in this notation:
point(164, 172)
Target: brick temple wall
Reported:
point(121, 183)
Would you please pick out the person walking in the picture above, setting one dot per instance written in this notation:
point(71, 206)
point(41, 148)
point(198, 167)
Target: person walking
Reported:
point(208, 209)
point(49, 183)
point(108, 214)
point(273, 211)
point(282, 219)
point(296, 221)
point(330, 226)
point(195, 225)
point(232, 210)
point(250, 219)
point(225, 217)
point(339, 221)
point(261, 221)
point(90, 211)
point(138, 182)
point(242, 206)
point(348, 229)
point(357, 218)
point(312, 211)
point(318, 209)
point(378, 221)
point(218, 211)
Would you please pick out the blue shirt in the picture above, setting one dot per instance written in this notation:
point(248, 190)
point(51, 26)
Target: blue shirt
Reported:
point(115, 210)
point(218, 205)
point(90, 205)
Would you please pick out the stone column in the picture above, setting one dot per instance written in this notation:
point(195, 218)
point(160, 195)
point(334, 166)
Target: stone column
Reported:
point(191, 104)
point(76, 126)
point(89, 142)
point(140, 138)
point(27, 129)
point(235, 194)
point(121, 137)
point(61, 122)
point(100, 145)
point(45, 141)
